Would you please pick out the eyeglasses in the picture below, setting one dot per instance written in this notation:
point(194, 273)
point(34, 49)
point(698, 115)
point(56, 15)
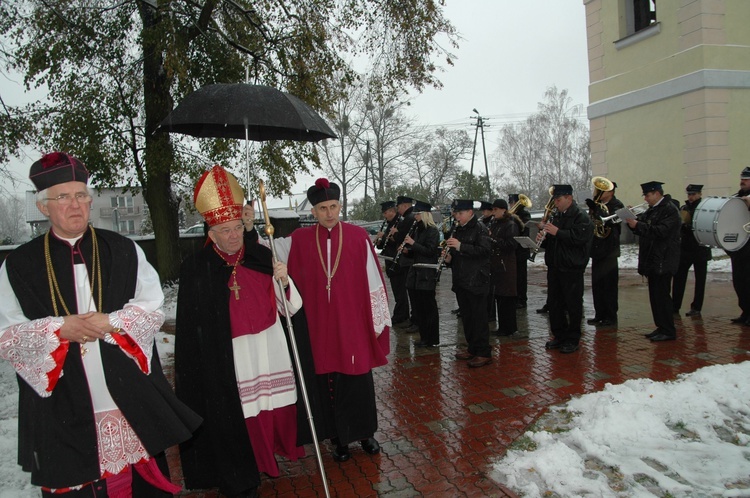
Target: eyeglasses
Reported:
point(225, 232)
point(67, 199)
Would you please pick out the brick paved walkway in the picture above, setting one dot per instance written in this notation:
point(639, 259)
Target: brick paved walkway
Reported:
point(442, 425)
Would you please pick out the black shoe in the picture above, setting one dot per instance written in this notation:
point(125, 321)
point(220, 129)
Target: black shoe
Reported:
point(593, 321)
point(663, 337)
point(425, 344)
point(569, 347)
point(652, 334)
point(739, 319)
point(543, 309)
point(553, 344)
point(456, 311)
point(370, 445)
point(341, 453)
point(693, 313)
point(606, 323)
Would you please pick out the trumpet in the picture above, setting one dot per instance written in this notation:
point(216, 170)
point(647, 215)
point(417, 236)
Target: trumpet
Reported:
point(548, 210)
point(522, 201)
point(636, 210)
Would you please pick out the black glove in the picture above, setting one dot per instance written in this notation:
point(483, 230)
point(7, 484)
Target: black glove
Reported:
point(591, 204)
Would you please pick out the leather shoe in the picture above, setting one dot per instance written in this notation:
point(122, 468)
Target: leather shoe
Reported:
point(652, 334)
point(693, 313)
point(606, 323)
point(543, 309)
point(341, 453)
point(553, 344)
point(370, 445)
point(593, 321)
point(456, 311)
point(479, 361)
point(464, 355)
point(739, 319)
point(663, 337)
point(424, 344)
point(569, 347)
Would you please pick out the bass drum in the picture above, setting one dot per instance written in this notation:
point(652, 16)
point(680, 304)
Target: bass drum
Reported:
point(720, 222)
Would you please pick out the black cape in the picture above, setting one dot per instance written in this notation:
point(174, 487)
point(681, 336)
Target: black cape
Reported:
point(220, 453)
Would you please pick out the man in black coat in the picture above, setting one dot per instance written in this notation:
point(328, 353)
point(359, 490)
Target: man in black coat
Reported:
point(469, 258)
point(398, 269)
point(741, 260)
point(567, 244)
point(658, 229)
point(692, 253)
point(605, 251)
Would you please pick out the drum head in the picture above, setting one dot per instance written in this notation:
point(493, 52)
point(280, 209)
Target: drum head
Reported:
point(719, 222)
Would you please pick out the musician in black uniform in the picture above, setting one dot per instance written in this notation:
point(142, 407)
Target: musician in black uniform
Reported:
point(487, 217)
point(469, 258)
point(658, 231)
point(567, 241)
point(605, 251)
point(423, 248)
point(503, 228)
point(399, 269)
point(692, 253)
point(741, 260)
point(522, 253)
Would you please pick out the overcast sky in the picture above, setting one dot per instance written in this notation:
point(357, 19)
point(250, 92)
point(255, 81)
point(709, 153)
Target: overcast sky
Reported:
point(511, 52)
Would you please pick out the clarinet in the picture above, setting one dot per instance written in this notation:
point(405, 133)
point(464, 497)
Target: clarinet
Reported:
point(382, 226)
point(444, 253)
point(396, 221)
point(401, 247)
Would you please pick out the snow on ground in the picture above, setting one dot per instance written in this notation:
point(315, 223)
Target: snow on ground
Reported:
point(689, 437)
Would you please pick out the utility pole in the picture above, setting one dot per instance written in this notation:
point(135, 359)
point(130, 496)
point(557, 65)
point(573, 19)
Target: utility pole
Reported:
point(480, 125)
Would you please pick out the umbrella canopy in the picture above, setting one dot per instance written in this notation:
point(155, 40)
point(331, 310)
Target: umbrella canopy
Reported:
point(232, 110)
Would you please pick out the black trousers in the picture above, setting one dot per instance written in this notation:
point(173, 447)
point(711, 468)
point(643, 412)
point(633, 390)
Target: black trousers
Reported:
point(426, 308)
point(400, 294)
point(700, 268)
point(348, 411)
point(491, 314)
point(522, 276)
point(474, 317)
point(741, 278)
point(661, 303)
point(565, 301)
point(605, 281)
point(506, 314)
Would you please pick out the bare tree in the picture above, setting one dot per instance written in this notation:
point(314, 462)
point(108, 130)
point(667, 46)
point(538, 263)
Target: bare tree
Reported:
point(13, 229)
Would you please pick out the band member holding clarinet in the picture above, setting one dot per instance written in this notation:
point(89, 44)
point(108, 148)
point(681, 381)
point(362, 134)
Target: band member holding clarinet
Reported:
point(566, 238)
point(469, 258)
point(421, 281)
point(397, 270)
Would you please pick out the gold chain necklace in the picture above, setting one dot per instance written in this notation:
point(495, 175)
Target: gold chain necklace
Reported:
point(234, 287)
point(54, 288)
point(338, 255)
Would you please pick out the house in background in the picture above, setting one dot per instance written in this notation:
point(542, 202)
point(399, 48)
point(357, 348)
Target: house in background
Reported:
point(111, 209)
point(669, 93)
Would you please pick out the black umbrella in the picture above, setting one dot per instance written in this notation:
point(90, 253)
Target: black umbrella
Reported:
point(252, 112)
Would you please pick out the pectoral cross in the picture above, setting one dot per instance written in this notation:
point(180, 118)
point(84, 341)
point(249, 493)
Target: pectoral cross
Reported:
point(236, 288)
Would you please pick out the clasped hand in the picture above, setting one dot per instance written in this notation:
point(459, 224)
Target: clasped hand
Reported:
point(85, 327)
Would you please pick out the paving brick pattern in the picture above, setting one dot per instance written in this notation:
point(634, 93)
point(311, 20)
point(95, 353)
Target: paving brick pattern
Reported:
point(442, 424)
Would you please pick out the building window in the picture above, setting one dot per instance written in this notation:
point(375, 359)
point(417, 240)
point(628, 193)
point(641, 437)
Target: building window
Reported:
point(640, 15)
point(126, 226)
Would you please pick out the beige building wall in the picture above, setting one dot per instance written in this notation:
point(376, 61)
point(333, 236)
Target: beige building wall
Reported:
point(670, 102)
